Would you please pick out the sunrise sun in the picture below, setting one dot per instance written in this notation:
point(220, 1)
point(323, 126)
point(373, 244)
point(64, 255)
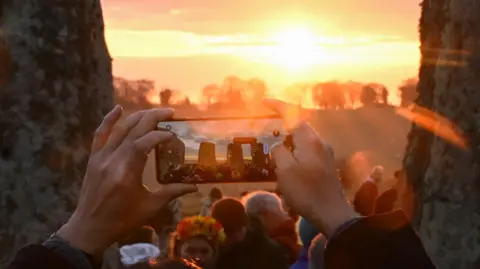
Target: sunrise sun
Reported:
point(296, 48)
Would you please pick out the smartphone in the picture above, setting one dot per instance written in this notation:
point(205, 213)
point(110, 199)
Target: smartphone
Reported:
point(219, 150)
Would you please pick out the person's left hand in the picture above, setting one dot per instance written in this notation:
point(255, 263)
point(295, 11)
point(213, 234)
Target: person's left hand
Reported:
point(113, 199)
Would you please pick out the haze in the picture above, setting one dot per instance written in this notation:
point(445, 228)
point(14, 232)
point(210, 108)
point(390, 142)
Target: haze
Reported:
point(186, 44)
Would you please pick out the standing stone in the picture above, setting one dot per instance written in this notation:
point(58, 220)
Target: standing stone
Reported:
point(446, 178)
point(55, 87)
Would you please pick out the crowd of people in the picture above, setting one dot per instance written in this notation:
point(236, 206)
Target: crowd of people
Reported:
point(223, 172)
point(256, 231)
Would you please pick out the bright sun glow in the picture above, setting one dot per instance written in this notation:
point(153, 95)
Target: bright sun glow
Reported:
point(296, 49)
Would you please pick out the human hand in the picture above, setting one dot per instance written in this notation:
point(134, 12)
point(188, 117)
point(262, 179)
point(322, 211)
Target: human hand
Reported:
point(113, 199)
point(307, 177)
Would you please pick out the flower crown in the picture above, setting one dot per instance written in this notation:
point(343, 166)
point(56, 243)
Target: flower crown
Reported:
point(200, 226)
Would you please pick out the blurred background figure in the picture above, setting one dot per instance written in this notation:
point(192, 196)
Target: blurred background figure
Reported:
point(307, 232)
point(266, 207)
point(138, 248)
point(244, 193)
point(247, 245)
point(214, 195)
point(377, 175)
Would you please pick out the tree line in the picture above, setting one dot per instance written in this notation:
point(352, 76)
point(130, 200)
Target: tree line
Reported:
point(236, 93)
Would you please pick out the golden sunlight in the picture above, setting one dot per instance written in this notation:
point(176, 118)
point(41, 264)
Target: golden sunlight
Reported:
point(296, 49)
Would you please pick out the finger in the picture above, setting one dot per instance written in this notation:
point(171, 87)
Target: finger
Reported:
point(290, 114)
point(149, 141)
point(105, 129)
point(150, 121)
point(284, 161)
point(120, 131)
point(306, 139)
point(169, 192)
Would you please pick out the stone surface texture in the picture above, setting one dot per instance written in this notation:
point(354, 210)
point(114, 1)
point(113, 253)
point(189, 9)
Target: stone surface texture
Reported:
point(55, 87)
point(444, 177)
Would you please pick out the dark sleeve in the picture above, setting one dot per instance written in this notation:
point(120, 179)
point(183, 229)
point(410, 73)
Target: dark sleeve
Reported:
point(378, 242)
point(278, 258)
point(38, 256)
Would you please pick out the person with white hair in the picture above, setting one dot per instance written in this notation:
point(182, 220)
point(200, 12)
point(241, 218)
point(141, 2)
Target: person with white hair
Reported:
point(267, 209)
point(377, 174)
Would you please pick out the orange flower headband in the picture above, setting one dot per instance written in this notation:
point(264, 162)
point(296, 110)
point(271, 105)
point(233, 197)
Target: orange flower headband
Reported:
point(200, 226)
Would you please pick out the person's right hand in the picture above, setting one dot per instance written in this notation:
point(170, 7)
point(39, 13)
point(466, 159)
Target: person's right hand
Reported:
point(307, 177)
point(113, 199)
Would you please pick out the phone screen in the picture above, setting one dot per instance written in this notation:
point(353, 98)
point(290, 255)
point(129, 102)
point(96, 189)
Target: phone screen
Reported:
point(218, 151)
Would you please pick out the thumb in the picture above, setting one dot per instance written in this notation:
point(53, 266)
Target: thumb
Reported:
point(172, 191)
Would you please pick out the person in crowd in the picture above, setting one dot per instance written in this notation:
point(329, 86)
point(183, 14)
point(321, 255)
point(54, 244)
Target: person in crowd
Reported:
point(139, 248)
point(389, 199)
point(365, 197)
point(247, 245)
point(377, 175)
point(197, 240)
point(307, 232)
point(291, 212)
point(214, 195)
point(306, 177)
point(315, 253)
point(385, 202)
point(244, 193)
point(266, 207)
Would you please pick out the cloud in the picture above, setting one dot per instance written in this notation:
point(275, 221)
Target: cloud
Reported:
point(369, 50)
point(235, 17)
point(245, 40)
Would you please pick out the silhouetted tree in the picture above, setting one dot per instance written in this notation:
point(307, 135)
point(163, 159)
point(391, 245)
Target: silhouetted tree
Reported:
point(133, 94)
point(384, 95)
point(353, 91)
point(408, 91)
point(55, 87)
point(331, 96)
point(368, 96)
point(256, 91)
point(143, 90)
point(165, 96)
point(210, 93)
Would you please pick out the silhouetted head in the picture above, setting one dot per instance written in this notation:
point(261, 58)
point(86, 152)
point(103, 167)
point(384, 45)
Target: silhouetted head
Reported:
point(215, 194)
point(231, 214)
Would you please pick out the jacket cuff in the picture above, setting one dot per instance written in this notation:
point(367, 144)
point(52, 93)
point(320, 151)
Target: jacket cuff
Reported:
point(343, 227)
point(66, 251)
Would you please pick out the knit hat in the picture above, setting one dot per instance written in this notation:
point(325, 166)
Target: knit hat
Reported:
point(306, 232)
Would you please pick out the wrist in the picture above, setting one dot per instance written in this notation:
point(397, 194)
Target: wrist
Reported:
point(329, 220)
point(86, 238)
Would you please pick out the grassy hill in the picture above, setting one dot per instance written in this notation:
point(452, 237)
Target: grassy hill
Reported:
point(377, 132)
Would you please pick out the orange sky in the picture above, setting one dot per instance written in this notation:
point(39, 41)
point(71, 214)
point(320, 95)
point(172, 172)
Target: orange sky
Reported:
point(186, 44)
